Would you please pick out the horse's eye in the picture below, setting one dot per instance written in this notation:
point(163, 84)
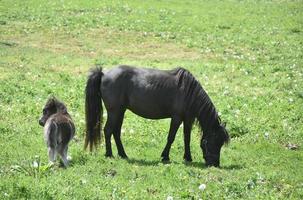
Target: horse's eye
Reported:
point(44, 111)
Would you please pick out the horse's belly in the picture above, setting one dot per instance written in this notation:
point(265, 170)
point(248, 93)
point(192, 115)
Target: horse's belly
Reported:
point(151, 108)
point(150, 114)
point(155, 104)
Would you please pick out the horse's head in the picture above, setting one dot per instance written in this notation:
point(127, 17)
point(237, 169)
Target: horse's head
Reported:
point(211, 144)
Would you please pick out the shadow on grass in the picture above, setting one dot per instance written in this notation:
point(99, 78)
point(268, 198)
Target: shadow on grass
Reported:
point(203, 166)
point(232, 167)
point(141, 162)
point(200, 165)
point(78, 159)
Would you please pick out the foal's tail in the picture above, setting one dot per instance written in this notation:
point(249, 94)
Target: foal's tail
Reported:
point(93, 109)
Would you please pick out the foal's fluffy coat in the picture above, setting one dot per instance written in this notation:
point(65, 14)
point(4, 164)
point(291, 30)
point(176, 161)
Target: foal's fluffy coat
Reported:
point(59, 129)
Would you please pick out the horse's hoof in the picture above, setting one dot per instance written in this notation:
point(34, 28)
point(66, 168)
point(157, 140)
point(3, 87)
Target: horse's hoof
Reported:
point(109, 155)
point(165, 160)
point(123, 156)
point(188, 159)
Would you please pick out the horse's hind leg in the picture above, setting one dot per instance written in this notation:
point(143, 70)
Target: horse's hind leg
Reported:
point(117, 135)
point(113, 126)
point(174, 125)
point(187, 130)
point(108, 129)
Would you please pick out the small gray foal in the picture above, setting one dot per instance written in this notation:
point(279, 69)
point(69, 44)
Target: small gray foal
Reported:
point(59, 129)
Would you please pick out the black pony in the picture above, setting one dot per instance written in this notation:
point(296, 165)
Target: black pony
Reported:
point(152, 94)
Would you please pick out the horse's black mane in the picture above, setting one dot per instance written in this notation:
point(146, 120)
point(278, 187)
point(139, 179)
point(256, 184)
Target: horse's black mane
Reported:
point(198, 102)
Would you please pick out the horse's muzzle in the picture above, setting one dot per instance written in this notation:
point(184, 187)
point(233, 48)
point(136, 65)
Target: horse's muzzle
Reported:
point(41, 123)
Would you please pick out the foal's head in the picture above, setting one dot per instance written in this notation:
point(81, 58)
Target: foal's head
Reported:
point(211, 144)
point(51, 107)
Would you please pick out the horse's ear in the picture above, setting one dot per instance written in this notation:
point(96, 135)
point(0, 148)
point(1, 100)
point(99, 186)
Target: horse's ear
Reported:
point(224, 124)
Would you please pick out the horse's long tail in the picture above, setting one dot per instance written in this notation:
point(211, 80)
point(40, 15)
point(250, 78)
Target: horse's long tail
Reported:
point(93, 109)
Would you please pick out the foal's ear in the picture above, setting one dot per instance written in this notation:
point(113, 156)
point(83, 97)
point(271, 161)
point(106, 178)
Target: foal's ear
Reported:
point(52, 99)
point(59, 106)
point(62, 108)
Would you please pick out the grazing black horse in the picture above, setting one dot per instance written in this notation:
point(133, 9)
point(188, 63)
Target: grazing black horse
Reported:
point(152, 94)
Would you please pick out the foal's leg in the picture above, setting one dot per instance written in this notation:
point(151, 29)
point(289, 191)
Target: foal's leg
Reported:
point(117, 135)
point(62, 149)
point(174, 125)
point(52, 154)
point(187, 130)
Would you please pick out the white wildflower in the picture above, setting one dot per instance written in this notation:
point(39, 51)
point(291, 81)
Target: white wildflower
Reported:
point(202, 187)
point(226, 92)
point(83, 181)
point(35, 164)
point(266, 134)
point(69, 158)
point(169, 198)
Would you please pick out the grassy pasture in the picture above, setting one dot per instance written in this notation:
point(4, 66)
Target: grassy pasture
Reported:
point(247, 54)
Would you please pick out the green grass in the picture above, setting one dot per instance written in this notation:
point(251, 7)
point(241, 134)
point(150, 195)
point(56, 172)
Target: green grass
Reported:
point(247, 54)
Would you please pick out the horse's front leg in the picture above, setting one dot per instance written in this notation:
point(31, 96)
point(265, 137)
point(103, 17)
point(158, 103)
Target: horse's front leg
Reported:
point(187, 131)
point(174, 125)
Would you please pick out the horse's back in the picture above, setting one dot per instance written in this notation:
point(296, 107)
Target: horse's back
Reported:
point(150, 93)
point(128, 76)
